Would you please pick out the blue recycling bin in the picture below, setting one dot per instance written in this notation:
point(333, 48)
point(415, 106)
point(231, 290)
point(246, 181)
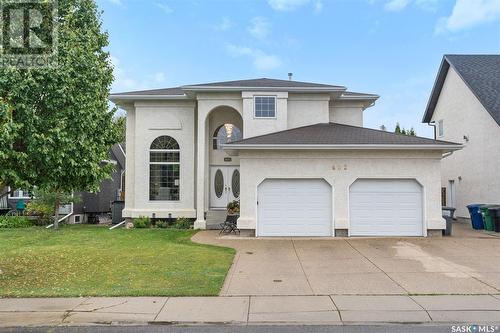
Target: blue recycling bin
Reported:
point(475, 216)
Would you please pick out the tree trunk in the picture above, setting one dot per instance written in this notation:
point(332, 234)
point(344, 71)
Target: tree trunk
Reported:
point(57, 202)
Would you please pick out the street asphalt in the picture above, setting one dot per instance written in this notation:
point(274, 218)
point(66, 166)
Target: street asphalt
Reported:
point(255, 329)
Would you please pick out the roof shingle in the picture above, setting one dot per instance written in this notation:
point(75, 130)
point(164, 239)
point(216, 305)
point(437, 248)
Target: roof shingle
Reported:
point(481, 73)
point(337, 134)
point(175, 91)
point(266, 83)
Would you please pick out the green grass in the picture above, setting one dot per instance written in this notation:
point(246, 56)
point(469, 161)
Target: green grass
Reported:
point(94, 261)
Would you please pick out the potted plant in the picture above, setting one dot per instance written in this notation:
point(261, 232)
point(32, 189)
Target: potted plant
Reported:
point(233, 208)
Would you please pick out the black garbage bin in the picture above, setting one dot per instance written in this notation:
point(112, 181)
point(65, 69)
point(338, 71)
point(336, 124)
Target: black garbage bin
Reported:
point(448, 215)
point(116, 211)
point(495, 217)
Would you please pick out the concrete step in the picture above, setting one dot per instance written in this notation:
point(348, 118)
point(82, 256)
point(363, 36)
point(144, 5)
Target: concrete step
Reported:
point(215, 218)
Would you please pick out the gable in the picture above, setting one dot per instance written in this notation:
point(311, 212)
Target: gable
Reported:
point(480, 73)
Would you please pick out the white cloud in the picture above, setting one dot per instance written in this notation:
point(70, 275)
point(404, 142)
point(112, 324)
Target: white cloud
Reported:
point(159, 77)
point(318, 6)
point(430, 5)
point(224, 25)
point(286, 5)
point(469, 13)
point(396, 5)
point(259, 27)
point(164, 7)
point(124, 82)
point(260, 60)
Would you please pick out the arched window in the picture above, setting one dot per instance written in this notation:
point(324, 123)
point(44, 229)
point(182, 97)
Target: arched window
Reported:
point(224, 134)
point(164, 165)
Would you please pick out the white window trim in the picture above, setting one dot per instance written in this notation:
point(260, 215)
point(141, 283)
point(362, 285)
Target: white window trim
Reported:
point(440, 128)
point(164, 163)
point(275, 107)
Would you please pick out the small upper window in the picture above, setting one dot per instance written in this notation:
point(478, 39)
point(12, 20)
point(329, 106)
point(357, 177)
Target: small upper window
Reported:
point(440, 128)
point(265, 106)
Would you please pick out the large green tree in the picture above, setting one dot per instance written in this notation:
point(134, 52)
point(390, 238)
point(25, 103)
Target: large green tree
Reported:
point(56, 126)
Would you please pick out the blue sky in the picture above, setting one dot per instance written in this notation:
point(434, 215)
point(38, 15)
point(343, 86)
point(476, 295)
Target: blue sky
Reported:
point(389, 47)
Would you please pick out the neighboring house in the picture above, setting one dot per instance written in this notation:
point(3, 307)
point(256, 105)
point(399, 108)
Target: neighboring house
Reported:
point(294, 153)
point(90, 205)
point(465, 107)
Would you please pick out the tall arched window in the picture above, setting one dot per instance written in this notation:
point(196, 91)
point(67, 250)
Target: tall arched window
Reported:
point(226, 133)
point(164, 165)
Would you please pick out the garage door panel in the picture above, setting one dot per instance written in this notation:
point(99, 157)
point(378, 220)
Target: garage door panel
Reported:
point(386, 208)
point(294, 207)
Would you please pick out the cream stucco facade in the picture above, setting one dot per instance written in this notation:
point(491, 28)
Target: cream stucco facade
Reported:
point(471, 175)
point(193, 116)
point(341, 169)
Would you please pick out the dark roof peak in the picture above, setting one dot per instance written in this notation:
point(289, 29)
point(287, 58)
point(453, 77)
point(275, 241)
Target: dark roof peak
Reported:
point(480, 72)
point(265, 82)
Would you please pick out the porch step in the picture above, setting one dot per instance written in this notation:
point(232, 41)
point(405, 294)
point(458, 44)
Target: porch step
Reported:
point(215, 218)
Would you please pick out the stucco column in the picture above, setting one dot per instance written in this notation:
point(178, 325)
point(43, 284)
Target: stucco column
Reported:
point(200, 222)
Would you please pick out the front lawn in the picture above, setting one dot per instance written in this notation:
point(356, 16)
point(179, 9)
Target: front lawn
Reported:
point(94, 261)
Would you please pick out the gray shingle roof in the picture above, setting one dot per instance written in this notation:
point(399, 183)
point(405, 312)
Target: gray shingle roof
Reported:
point(253, 83)
point(481, 73)
point(176, 91)
point(266, 83)
point(337, 134)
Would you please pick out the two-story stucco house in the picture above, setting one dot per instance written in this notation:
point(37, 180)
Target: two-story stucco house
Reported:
point(464, 107)
point(295, 154)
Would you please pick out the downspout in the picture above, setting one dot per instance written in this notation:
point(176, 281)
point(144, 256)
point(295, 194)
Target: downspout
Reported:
point(433, 124)
point(445, 155)
point(62, 219)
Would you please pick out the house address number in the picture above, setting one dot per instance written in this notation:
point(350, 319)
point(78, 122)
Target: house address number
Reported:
point(339, 167)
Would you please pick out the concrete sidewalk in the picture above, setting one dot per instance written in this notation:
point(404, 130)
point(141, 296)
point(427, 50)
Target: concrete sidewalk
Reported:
point(331, 310)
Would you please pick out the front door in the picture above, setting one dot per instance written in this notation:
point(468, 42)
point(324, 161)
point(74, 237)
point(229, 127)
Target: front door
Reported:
point(224, 185)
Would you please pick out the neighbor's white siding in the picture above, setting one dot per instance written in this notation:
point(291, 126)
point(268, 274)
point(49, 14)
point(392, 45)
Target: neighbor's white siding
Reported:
point(478, 163)
point(341, 169)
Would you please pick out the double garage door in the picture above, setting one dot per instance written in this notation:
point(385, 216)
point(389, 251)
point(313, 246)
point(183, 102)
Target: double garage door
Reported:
point(303, 207)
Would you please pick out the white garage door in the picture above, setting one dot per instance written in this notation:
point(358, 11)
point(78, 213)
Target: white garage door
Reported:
point(294, 207)
point(385, 207)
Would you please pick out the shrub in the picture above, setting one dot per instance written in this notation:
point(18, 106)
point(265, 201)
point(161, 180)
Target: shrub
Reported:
point(161, 224)
point(182, 223)
point(42, 210)
point(142, 222)
point(15, 222)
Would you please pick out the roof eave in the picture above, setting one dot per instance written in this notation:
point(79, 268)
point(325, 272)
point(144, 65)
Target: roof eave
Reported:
point(117, 98)
point(436, 90)
point(444, 147)
point(241, 88)
point(360, 98)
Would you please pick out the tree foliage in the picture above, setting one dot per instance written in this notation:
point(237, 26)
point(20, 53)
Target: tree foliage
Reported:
point(402, 130)
point(56, 126)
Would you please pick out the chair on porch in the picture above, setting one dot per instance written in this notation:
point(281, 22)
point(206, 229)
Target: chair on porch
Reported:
point(230, 225)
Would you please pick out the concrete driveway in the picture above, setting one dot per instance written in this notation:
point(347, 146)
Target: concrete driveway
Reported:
point(467, 263)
